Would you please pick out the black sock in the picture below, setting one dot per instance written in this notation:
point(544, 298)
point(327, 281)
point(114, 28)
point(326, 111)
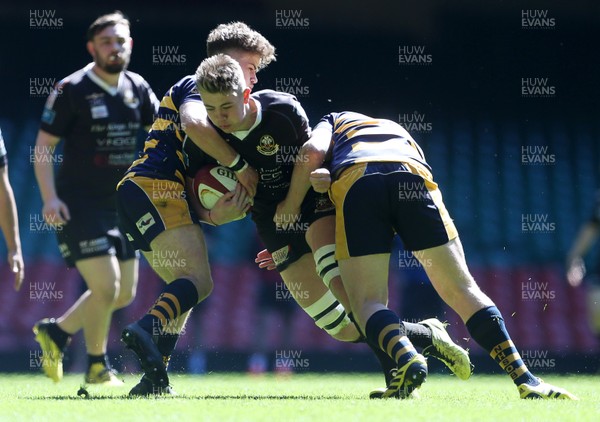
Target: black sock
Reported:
point(177, 298)
point(418, 334)
point(166, 344)
point(92, 359)
point(487, 328)
point(58, 335)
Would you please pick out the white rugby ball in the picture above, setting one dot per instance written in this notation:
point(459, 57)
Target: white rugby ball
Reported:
point(211, 182)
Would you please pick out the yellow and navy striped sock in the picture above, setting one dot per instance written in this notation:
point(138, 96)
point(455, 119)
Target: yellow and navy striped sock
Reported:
point(177, 298)
point(385, 329)
point(487, 328)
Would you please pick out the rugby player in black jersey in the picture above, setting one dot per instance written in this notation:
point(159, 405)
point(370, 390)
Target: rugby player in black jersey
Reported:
point(382, 185)
point(99, 111)
point(267, 129)
point(9, 220)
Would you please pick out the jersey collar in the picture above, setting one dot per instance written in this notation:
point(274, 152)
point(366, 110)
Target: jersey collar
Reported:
point(111, 90)
point(241, 134)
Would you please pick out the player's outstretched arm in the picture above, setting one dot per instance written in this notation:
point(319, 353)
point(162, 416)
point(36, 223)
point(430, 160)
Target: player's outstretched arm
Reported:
point(195, 122)
point(9, 223)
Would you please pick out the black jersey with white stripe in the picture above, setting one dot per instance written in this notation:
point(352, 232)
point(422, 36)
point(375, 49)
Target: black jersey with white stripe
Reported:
point(100, 126)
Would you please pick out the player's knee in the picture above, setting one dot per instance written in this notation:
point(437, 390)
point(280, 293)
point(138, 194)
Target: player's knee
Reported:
point(204, 285)
point(331, 316)
point(124, 298)
point(106, 292)
point(327, 266)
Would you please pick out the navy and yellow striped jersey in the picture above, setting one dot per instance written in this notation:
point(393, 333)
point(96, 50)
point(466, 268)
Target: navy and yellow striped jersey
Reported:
point(163, 156)
point(357, 138)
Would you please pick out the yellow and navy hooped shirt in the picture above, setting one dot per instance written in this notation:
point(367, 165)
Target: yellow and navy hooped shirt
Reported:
point(163, 156)
point(357, 138)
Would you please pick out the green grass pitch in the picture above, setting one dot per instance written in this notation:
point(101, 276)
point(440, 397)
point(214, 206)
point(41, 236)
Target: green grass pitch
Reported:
point(310, 397)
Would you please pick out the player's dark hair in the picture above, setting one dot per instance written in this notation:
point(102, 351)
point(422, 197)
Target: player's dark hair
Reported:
point(111, 19)
point(219, 74)
point(238, 35)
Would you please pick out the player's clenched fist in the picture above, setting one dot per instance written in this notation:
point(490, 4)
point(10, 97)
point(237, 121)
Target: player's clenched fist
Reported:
point(320, 179)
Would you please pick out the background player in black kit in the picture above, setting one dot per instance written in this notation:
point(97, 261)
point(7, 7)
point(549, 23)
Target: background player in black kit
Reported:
point(9, 220)
point(99, 111)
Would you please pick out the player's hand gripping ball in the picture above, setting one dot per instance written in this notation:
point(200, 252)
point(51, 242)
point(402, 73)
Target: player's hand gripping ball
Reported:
point(213, 181)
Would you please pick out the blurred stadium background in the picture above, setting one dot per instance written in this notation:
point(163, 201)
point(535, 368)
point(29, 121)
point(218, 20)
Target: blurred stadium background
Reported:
point(465, 101)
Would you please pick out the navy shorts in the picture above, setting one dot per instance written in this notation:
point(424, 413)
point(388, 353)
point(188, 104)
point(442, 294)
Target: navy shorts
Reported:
point(148, 206)
point(376, 200)
point(287, 242)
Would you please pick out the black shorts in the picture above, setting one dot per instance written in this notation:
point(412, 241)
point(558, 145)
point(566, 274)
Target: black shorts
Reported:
point(92, 232)
point(375, 200)
point(287, 243)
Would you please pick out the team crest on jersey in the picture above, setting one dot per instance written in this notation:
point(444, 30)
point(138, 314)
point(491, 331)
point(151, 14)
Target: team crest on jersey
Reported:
point(130, 100)
point(267, 145)
point(323, 203)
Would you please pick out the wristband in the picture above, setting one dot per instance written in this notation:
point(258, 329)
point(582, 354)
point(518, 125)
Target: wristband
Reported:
point(235, 161)
point(238, 164)
point(244, 167)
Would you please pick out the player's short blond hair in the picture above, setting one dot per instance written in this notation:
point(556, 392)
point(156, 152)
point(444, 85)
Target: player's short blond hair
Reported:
point(220, 74)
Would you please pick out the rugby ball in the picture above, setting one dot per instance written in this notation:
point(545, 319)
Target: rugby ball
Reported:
point(211, 182)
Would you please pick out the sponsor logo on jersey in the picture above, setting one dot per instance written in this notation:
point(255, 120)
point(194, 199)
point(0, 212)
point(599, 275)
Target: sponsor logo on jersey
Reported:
point(145, 222)
point(267, 145)
point(98, 107)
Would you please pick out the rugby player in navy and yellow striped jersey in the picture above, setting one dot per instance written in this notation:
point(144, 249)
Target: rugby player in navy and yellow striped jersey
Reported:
point(154, 209)
point(382, 185)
